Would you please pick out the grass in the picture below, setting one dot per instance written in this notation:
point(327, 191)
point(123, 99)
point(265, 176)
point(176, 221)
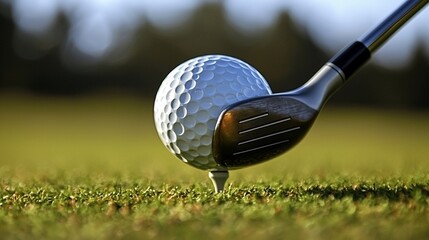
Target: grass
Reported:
point(93, 168)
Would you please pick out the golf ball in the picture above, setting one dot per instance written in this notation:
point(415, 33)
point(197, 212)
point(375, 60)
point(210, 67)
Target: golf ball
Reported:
point(192, 97)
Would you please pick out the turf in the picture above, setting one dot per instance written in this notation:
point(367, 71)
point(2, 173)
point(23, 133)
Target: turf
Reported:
point(93, 167)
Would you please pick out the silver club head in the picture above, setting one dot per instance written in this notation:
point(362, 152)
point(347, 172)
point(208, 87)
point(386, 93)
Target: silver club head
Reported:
point(258, 129)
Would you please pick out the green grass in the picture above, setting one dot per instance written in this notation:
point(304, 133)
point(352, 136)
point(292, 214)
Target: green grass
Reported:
point(93, 167)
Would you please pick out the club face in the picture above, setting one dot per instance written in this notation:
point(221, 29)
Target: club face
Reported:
point(260, 129)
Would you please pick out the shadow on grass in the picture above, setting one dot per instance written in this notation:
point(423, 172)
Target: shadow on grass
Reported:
point(398, 191)
point(359, 192)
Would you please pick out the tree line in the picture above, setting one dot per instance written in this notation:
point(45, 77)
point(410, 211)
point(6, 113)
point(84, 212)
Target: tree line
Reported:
point(284, 54)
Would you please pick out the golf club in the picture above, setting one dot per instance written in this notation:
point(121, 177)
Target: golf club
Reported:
point(258, 129)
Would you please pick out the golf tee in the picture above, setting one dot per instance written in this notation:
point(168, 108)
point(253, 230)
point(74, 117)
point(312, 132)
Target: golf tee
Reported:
point(218, 178)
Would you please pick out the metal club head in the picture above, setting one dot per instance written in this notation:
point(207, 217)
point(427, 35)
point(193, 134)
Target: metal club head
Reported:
point(259, 129)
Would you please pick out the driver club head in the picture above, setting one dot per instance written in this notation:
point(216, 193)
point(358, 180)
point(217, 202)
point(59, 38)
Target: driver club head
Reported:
point(258, 129)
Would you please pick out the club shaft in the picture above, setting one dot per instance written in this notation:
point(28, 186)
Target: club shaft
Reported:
point(355, 55)
point(383, 31)
point(338, 69)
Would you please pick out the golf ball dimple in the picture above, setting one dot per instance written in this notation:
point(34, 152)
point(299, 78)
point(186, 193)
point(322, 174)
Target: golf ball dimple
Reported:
point(192, 97)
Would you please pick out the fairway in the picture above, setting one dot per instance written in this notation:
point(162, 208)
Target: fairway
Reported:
point(94, 167)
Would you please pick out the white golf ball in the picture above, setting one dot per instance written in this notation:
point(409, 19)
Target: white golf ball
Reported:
point(192, 97)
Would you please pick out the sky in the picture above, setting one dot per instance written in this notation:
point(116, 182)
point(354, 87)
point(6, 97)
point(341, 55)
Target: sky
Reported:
point(101, 26)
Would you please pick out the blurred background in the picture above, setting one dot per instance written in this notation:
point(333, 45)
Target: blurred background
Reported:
point(78, 79)
point(79, 47)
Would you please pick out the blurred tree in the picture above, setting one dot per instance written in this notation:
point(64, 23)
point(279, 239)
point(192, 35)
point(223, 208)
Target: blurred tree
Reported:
point(283, 53)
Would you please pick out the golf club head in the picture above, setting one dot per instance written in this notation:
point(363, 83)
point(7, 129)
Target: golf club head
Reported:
point(258, 129)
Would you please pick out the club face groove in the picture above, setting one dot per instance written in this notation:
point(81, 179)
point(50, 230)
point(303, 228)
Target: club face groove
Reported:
point(263, 126)
point(253, 118)
point(257, 130)
point(268, 135)
point(260, 147)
